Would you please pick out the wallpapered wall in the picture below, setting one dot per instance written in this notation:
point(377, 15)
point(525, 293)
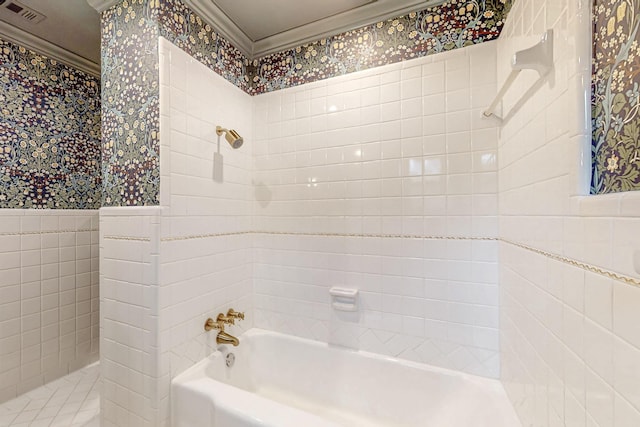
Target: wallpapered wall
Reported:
point(451, 25)
point(616, 96)
point(186, 29)
point(49, 133)
point(130, 104)
point(130, 70)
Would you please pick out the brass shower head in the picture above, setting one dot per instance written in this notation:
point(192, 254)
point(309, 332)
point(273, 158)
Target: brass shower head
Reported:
point(232, 137)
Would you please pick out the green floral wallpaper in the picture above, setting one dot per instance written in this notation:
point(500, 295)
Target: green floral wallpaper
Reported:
point(130, 104)
point(186, 29)
point(49, 133)
point(451, 25)
point(616, 96)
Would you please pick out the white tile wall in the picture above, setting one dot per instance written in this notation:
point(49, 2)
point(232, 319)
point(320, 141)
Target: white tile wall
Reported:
point(171, 267)
point(134, 380)
point(569, 342)
point(431, 301)
point(206, 256)
point(395, 154)
point(48, 296)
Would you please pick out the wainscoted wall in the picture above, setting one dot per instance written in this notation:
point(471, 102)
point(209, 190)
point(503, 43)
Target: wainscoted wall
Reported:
point(569, 301)
point(48, 296)
point(385, 181)
point(130, 115)
point(49, 187)
point(616, 96)
point(49, 133)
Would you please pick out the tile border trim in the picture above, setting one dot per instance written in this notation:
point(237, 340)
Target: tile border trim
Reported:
point(629, 280)
point(127, 238)
point(632, 281)
point(204, 236)
point(33, 233)
point(288, 233)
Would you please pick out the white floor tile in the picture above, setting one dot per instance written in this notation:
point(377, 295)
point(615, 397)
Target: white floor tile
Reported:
point(71, 401)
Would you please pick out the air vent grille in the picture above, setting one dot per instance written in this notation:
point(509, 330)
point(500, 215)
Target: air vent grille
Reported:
point(26, 13)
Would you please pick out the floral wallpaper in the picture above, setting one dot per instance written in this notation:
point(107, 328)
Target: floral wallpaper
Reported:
point(616, 96)
point(451, 25)
point(49, 133)
point(130, 104)
point(186, 29)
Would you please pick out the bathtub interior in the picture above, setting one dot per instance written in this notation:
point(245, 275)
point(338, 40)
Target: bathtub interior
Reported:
point(343, 386)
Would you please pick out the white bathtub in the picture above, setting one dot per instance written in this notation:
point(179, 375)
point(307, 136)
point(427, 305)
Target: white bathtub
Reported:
point(284, 381)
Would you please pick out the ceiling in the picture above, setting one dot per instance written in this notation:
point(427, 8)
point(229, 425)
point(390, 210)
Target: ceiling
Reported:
point(71, 28)
point(70, 24)
point(250, 15)
point(261, 27)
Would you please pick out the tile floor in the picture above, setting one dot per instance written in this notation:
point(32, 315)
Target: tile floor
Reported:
point(70, 401)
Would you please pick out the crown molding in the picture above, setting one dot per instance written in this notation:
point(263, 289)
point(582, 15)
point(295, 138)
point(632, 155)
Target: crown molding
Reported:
point(215, 17)
point(102, 5)
point(337, 24)
point(24, 39)
point(349, 20)
point(330, 26)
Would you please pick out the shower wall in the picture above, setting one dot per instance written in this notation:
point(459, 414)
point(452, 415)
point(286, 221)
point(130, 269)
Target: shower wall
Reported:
point(385, 181)
point(166, 269)
point(205, 244)
point(49, 190)
point(570, 347)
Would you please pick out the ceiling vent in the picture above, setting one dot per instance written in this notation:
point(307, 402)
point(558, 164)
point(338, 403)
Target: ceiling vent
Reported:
point(25, 13)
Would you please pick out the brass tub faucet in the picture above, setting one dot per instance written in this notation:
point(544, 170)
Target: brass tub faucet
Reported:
point(221, 319)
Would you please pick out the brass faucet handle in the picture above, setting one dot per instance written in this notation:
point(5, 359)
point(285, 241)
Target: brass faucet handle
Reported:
point(226, 319)
point(212, 324)
point(234, 314)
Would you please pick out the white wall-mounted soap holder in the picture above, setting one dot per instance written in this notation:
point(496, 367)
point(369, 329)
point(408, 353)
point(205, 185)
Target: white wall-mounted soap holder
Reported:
point(344, 299)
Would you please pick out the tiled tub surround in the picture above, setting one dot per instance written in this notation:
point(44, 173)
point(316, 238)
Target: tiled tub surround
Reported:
point(386, 181)
point(205, 248)
point(570, 347)
point(167, 269)
point(48, 296)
